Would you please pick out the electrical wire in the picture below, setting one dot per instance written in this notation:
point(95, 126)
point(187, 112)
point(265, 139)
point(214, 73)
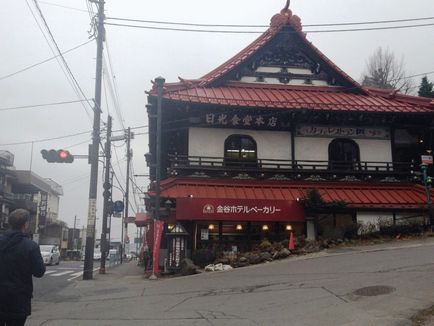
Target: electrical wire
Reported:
point(46, 139)
point(262, 26)
point(123, 190)
point(39, 105)
point(61, 6)
point(261, 32)
point(114, 87)
point(60, 137)
point(65, 67)
point(46, 60)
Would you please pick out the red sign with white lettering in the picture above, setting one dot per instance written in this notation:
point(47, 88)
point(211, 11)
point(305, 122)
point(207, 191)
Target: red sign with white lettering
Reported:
point(238, 210)
point(158, 231)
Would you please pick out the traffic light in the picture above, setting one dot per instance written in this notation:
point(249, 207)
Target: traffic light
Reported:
point(59, 156)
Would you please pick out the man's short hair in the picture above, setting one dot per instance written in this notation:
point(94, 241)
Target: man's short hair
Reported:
point(18, 218)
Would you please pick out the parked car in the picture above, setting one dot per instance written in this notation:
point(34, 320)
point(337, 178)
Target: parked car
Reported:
point(97, 255)
point(50, 254)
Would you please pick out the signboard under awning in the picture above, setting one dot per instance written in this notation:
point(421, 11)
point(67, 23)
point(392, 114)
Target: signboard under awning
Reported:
point(238, 210)
point(142, 219)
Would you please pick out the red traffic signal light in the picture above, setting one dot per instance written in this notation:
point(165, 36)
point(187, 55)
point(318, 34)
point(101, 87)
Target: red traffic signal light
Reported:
point(64, 156)
point(59, 156)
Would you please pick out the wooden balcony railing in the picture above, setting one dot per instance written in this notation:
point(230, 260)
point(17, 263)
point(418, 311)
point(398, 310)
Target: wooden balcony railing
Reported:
point(186, 163)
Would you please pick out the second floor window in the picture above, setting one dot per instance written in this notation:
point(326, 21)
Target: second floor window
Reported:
point(344, 154)
point(240, 149)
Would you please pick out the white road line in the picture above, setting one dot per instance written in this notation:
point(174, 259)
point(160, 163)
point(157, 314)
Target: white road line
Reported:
point(49, 272)
point(62, 273)
point(79, 274)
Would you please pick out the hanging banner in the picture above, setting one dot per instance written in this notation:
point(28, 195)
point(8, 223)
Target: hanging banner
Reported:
point(158, 231)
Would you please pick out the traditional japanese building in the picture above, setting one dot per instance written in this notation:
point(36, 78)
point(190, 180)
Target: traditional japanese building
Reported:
point(242, 146)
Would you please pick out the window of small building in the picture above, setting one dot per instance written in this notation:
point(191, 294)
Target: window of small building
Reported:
point(344, 154)
point(240, 149)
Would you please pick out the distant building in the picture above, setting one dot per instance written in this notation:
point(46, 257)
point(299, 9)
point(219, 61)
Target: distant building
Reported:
point(40, 196)
point(7, 177)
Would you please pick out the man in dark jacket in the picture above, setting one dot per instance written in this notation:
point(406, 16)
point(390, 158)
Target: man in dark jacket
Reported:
point(20, 259)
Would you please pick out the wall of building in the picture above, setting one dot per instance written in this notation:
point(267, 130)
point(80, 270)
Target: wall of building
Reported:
point(53, 206)
point(374, 218)
point(210, 142)
point(316, 148)
point(277, 145)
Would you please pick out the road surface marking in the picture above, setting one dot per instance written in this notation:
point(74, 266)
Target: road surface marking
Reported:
point(49, 272)
point(62, 273)
point(79, 274)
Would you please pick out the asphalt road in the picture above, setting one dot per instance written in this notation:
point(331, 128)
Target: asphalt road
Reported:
point(56, 278)
point(379, 286)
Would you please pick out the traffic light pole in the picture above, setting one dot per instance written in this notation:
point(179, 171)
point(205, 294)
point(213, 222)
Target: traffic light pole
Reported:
point(93, 187)
point(127, 191)
point(107, 187)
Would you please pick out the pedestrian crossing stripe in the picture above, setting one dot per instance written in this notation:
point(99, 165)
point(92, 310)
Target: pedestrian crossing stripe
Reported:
point(62, 273)
point(49, 272)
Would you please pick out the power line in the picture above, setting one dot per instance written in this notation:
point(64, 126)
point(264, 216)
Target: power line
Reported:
point(47, 139)
point(65, 67)
point(61, 6)
point(46, 60)
point(260, 32)
point(417, 75)
point(40, 105)
point(262, 26)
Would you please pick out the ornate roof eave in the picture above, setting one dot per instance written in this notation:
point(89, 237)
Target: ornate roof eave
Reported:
point(396, 95)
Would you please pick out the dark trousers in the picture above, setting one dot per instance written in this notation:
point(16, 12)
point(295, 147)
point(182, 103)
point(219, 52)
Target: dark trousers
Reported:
point(13, 322)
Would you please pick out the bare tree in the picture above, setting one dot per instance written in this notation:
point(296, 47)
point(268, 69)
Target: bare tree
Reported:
point(383, 70)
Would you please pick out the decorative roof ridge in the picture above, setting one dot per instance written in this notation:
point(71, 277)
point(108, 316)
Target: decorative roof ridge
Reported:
point(396, 95)
point(183, 84)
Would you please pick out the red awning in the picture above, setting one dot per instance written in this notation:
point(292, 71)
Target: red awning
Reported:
point(142, 219)
point(355, 194)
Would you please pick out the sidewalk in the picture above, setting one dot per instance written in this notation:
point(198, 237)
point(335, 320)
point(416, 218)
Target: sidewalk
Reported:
point(120, 282)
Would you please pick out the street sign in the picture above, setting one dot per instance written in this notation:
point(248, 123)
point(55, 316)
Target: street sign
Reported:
point(117, 214)
point(130, 219)
point(426, 159)
point(118, 206)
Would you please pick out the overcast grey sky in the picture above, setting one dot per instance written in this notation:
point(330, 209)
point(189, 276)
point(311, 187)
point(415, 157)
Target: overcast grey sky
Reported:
point(139, 55)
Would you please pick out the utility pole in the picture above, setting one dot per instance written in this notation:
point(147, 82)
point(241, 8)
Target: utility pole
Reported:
point(127, 191)
point(107, 192)
point(93, 187)
point(74, 240)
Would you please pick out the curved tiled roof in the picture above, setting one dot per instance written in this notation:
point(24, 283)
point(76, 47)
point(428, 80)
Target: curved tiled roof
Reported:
point(261, 95)
point(287, 97)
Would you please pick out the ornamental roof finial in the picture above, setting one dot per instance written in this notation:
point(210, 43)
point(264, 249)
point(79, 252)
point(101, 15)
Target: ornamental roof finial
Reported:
point(288, 2)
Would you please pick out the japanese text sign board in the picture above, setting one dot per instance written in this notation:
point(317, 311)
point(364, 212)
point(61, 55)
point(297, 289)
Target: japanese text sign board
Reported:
point(238, 210)
point(426, 159)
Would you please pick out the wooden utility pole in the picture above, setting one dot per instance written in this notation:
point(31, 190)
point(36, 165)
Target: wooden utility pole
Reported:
point(107, 194)
point(93, 187)
point(127, 191)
